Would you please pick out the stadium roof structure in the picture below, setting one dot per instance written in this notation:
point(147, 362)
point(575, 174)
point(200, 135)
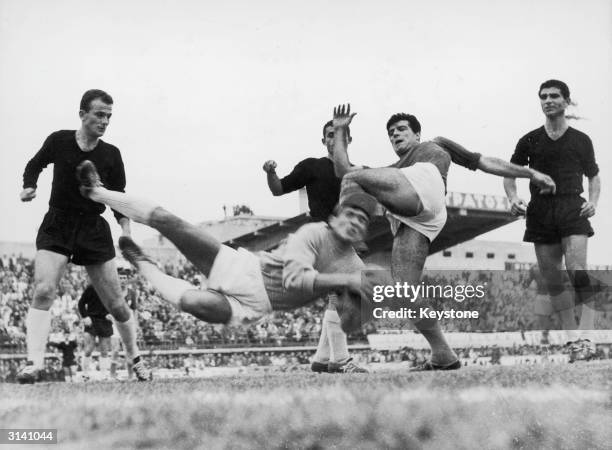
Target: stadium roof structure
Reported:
point(469, 215)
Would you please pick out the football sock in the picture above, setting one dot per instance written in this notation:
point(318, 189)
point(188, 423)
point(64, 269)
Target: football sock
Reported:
point(136, 209)
point(38, 324)
point(323, 352)
point(337, 338)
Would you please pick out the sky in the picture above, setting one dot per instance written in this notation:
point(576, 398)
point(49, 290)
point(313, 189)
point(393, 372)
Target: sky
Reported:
point(205, 92)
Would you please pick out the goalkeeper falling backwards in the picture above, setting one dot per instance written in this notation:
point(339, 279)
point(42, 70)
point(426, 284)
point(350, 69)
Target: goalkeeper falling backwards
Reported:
point(242, 287)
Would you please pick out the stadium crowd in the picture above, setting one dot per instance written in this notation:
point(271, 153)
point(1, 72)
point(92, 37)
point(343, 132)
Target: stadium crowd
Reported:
point(508, 305)
point(160, 325)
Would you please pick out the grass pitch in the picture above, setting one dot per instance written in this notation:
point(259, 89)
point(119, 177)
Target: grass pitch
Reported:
point(521, 407)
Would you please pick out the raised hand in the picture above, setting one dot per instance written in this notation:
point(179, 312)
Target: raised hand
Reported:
point(343, 116)
point(269, 166)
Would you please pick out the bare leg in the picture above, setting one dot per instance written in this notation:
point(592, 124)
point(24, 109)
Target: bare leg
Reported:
point(410, 249)
point(48, 268)
point(210, 306)
point(199, 247)
point(390, 187)
point(106, 282)
point(550, 257)
point(575, 251)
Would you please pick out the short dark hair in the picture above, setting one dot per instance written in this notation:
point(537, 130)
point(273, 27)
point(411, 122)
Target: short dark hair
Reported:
point(565, 92)
point(330, 123)
point(415, 125)
point(92, 94)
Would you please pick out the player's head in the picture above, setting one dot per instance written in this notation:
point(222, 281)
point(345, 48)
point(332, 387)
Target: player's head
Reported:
point(124, 275)
point(95, 112)
point(554, 97)
point(328, 136)
point(352, 216)
point(404, 131)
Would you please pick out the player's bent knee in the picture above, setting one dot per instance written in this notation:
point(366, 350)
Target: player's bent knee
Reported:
point(553, 282)
point(120, 312)
point(206, 305)
point(162, 218)
point(44, 293)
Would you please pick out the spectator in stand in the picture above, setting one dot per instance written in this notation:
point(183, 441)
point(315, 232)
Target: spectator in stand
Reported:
point(98, 329)
point(68, 347)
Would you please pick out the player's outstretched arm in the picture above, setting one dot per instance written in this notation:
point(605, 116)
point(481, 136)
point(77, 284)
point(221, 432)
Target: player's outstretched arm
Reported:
point(325, 282)
point(497, 166)
point(494, 166)
point(274, 183)
point(342, 119)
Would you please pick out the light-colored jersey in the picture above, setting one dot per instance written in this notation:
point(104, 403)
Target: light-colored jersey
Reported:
point(289, 272)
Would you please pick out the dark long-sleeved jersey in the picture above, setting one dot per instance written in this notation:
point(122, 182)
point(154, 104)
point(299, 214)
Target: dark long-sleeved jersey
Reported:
point(566, 160)
point(322, 185)
point(67, 349)
point(61, 150)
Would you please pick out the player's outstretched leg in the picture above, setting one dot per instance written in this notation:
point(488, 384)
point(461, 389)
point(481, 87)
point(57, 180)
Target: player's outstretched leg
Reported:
point(199, 247)
point(339, 359)
point(48, 268)
point(171, 289)
point(106, 283)
point(90, 187)
point(410, 249)
point(210, 306)
point(390, 187)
